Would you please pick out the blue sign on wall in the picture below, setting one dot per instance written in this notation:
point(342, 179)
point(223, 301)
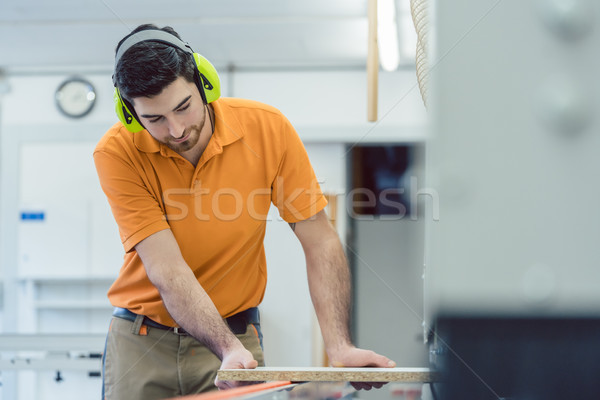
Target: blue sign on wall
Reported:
point(33, 216)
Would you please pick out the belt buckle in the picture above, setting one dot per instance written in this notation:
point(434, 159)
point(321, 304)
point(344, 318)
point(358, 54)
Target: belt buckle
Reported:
point(179, 331)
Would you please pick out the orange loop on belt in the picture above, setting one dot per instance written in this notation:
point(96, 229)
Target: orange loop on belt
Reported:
point(235, 392)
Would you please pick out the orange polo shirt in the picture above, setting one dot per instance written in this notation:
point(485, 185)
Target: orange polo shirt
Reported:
point(217, 210)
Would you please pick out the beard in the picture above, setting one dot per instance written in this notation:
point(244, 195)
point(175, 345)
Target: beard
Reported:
point(192, 140)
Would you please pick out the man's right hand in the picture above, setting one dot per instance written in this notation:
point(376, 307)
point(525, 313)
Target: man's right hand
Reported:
point(238, 358)
point(189, 304)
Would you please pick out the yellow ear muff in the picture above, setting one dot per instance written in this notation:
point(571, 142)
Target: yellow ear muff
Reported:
point(124, 115)
point(209, 78)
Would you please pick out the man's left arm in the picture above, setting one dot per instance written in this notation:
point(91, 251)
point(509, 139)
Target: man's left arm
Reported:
point(330, 290)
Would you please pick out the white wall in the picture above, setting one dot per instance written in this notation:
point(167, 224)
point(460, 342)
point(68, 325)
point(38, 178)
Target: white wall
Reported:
point(327, 107)
point(331, 106)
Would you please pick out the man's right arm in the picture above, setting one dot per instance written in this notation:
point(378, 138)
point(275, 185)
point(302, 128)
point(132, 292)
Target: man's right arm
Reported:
point(188, 303)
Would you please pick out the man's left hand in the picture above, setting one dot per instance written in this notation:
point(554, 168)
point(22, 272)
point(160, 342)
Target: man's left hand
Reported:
point(354, 357)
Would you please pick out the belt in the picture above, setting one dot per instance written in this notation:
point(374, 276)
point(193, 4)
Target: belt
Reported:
point(237, 323)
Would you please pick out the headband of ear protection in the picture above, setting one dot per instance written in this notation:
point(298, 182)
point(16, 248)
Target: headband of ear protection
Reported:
point(207, 78)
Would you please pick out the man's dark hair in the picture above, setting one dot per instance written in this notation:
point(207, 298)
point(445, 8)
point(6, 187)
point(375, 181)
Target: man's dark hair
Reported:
point(148, 67)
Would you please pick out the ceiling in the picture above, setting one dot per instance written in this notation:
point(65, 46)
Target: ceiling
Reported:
point(65, 34)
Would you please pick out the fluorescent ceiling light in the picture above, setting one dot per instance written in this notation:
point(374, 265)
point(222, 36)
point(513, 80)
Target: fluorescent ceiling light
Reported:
point(387, 35)
point(408, 34)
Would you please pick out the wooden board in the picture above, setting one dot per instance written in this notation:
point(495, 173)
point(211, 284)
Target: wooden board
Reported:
point(325, 374)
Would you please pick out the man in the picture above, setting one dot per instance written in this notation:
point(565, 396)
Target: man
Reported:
point(190, 178)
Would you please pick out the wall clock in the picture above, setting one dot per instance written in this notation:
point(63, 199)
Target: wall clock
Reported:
point(75, 97)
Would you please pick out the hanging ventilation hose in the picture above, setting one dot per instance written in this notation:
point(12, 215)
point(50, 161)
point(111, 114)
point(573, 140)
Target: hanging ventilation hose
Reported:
point(419, 10)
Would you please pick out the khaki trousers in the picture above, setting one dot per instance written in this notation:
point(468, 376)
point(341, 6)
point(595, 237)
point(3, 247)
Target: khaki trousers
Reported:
point(146, 363)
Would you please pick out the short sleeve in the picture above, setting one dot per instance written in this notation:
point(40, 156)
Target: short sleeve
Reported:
point(137, 211)
point(295, 190)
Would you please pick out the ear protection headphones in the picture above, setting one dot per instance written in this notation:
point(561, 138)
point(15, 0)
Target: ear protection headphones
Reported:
point(207, 78)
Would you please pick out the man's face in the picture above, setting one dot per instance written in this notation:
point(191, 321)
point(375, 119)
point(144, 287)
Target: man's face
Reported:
point(175, 116)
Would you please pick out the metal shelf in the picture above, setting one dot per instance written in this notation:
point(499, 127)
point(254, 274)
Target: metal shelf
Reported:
point(72, 305)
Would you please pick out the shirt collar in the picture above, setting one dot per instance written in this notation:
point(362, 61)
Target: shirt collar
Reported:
point(227, 127)
point(145, 142)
